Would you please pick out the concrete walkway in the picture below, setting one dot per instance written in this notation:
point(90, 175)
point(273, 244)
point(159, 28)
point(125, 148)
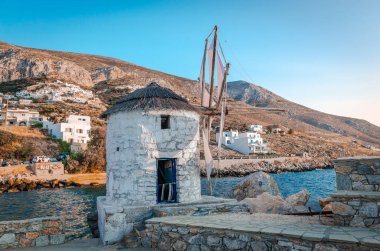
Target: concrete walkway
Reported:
point(82, 245)
point(300, 227)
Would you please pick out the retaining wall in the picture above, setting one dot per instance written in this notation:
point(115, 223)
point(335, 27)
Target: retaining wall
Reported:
point(172, 237)
point(357, 201)
point(358, 174)
point(32, 232)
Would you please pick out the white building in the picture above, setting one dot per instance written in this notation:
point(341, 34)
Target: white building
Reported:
point(25, 101)
point(152, 159)
point(245, 143)
point(19, 117)
point(76, 129)
point(256, 128)
point(23, 94)
point(13, 102)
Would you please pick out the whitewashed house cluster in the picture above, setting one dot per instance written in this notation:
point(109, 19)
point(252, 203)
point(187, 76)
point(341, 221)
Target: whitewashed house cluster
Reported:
point(58, 91)
point(245, 143)
point(75, 130)
point(19, 117)
point(152, 158)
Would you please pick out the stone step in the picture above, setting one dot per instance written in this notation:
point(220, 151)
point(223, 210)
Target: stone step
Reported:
point(131, 240)
point(201, 209)
point(356, 195)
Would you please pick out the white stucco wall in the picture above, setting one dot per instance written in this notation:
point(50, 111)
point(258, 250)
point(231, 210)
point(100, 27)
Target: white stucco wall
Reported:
point(58, 130)
point(135, 140)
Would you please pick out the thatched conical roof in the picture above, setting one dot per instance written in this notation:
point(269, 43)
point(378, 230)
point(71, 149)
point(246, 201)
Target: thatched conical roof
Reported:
point(151, 97)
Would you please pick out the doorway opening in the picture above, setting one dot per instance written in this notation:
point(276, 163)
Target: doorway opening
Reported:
point(166, 181)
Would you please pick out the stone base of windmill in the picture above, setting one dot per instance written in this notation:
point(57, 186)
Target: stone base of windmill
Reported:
point(117, 221)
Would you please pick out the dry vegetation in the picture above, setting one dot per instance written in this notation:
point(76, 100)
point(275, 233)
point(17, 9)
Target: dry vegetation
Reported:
point(24, 142)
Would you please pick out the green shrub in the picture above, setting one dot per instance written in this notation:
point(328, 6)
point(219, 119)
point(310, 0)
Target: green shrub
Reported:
point(63, 146)
point(37, 125)
point(24, 152)
point(78, 156)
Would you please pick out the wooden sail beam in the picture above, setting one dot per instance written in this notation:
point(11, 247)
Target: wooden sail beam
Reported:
point(203, 71)
point(224, 83)
point(213, 66)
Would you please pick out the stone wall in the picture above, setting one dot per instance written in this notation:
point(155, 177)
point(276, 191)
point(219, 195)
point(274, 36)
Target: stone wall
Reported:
point(356, 209)
point(358, 174)
point(117, 221)
point(357, 201)
point(170, 237)
point(33, 232)
point(48, 168)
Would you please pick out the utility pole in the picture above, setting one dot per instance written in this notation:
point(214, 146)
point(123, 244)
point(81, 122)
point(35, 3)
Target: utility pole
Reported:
point(6, 114)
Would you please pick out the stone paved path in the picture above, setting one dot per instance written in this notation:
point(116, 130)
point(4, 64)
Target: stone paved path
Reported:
point(303, 227)
point(82, 245)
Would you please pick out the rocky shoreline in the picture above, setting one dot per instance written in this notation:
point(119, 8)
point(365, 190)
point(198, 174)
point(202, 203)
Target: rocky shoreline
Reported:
point(11, 185)
point(18, 184)
point(289, 165)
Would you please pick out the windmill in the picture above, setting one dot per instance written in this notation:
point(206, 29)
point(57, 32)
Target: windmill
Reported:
point(213, 99)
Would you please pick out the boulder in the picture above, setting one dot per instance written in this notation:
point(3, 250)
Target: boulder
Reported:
point(13, 190)
point(299, 209)
point(327, 208)
point(11, 181)
point(267, 203)
point(54, 183)
point(342, 209)
point(254, 185)
point(324, 201)
point(298, 199)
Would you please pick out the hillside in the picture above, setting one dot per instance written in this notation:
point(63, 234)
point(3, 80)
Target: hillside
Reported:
point(260, 97)
point(108, 79)
point(25, 142)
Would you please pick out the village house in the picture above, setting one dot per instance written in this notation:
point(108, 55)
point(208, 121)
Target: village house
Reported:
point(152, 158)
point(245, 143)
point(19, 117)
point(275, 129)
point(13, 102)
point(256, 128)
point(25, 101)
point(23, 94)
point(76, 129)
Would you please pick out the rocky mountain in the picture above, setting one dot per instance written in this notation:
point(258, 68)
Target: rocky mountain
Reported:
point(88, 71)
point(109, 79)
point(260, 97)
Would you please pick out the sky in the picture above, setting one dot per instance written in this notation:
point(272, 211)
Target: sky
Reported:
point(324, 54)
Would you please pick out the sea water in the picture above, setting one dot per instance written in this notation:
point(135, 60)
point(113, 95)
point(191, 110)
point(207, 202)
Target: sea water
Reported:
point(81, 201)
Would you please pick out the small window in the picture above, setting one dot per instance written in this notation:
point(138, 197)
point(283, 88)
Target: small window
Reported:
point(79, 130)
point(165, 122)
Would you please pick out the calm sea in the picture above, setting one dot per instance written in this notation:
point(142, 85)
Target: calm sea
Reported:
point(80, 201)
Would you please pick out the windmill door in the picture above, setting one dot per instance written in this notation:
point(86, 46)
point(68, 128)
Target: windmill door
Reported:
point(166, 181)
